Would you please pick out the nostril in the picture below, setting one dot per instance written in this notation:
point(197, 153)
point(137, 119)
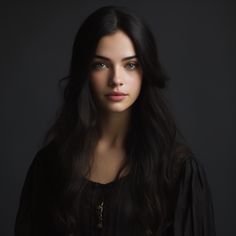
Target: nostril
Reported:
point(113, 82)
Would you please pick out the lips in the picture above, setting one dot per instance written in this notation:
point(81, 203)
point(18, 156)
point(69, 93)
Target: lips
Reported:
point(116, 96)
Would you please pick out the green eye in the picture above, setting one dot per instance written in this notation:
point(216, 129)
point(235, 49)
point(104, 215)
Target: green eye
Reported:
point(132, 65)
point(99, 65)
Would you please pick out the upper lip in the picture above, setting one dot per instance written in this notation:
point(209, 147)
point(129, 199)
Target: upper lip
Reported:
point(116, 94)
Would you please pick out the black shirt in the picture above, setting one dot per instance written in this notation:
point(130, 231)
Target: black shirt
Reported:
point(99, 208)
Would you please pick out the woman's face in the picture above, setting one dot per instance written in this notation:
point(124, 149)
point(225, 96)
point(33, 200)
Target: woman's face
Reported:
point(115, 73)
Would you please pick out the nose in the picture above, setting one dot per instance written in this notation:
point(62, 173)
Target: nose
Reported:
point(116, 78)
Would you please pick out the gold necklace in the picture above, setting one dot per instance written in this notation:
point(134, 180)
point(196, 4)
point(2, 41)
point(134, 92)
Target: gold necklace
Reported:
point(100, 209)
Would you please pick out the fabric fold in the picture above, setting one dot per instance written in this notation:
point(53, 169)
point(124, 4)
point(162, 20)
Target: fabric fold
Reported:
point(194, 213)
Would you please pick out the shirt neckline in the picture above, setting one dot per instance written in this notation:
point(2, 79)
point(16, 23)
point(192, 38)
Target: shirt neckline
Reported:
point(104, 185)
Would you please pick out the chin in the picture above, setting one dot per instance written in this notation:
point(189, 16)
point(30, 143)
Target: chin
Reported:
point(117, 109)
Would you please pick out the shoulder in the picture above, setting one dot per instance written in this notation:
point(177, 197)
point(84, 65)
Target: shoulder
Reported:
point(44, 176)
point(193, 173)
point(194, 206)
point(193, 182)
point(192, 165)
point(181, 155)
point(43, 163)
point(188, 167)
point(45, 154)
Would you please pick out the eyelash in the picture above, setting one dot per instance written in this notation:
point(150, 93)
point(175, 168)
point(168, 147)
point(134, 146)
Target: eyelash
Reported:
point(97, 65)
point(135, 64)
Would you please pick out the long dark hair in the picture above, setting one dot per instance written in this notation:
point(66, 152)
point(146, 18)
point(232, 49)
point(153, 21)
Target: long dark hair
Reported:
point(151, 145)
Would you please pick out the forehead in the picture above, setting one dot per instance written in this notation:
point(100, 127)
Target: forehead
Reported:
point(115, 46)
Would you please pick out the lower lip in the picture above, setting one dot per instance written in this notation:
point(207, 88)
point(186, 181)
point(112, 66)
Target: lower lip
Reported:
point(116, 98)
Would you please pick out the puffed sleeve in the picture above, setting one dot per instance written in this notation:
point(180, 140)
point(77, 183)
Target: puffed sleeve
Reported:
point(194, 214)
point(32, 212)
point(23, 223)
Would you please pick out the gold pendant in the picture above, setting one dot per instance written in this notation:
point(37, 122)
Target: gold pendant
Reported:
point(99, 209)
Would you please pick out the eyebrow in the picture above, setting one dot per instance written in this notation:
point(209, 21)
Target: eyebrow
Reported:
point(123, 59)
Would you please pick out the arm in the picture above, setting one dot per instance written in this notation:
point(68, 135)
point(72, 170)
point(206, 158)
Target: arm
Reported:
point(194, 214)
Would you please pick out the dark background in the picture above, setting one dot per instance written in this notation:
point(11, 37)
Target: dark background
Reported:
point(196, 42)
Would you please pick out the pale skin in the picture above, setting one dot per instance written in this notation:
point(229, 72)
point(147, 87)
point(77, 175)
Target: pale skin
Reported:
point(115, 67)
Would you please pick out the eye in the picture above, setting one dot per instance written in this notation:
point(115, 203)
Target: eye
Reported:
point(131, 65)
point(99, 66)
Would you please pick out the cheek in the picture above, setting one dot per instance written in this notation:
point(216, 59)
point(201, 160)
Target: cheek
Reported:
point(97, 81)
point(135, 85)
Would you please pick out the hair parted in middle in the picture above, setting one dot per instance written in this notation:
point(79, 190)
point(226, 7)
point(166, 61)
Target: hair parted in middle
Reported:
point(151, 142)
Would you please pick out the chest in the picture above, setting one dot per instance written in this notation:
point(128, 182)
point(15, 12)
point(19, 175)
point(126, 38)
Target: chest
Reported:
point(105, 164)
point(109, 208)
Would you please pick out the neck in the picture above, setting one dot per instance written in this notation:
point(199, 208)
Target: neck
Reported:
point(114, 127)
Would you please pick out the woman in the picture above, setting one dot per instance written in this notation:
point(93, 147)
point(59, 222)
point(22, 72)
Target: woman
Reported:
point(114, 163)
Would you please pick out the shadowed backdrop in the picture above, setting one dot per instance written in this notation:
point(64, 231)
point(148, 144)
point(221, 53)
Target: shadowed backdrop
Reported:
point(197, 47)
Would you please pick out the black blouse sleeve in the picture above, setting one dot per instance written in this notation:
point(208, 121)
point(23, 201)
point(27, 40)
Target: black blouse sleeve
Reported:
point(34, 200)
point(194, 214)
point(23, 223)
